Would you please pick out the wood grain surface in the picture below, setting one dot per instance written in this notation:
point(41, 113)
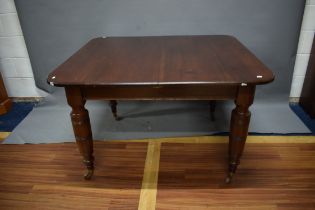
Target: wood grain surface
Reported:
point(271, 176)
point(5, 101)
point(277, 172)
point(157, 68)
point(161, 60)
point(49, 176)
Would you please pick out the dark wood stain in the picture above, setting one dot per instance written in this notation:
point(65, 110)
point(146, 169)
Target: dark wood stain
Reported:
point(5, 101)
point(161, 68)
point(167, 92)
point(161, 60)
point(307, 100)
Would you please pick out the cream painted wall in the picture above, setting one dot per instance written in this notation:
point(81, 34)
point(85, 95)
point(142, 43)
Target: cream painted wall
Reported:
point(15, 64)
point(304, 49)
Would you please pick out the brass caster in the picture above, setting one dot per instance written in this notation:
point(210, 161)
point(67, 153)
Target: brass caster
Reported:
point(88, 174)
point(228, 179)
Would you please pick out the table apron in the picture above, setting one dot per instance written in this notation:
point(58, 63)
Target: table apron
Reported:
point(215, 92)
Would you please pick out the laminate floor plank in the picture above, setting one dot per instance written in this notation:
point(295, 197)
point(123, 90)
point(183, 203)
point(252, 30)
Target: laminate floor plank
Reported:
point(190, 176)
point(50, 176)
point(271, 176)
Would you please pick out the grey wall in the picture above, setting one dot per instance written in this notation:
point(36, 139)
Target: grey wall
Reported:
point(55, 29)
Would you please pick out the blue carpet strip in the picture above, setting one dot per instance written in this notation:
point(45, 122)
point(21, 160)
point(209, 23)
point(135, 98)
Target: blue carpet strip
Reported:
point(17, 113)
point(309, 122)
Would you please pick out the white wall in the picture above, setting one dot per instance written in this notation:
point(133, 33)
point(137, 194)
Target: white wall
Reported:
point(15, 64)
point(304, 48)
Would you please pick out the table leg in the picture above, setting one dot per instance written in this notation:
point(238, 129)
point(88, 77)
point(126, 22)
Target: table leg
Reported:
point(212, 104)
point(239, 127)
point(81, 128)
point(113, 106)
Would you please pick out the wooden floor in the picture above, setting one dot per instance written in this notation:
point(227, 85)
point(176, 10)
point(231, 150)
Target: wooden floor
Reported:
point(185, 173)
point(50, 177)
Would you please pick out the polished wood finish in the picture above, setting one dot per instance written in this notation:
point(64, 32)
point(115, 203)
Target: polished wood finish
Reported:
point(239, 127)
point(167, 92)
point(307, 100)
point(161, 60)
point(212, 105)
point(190, 175)
point(161, 68)
point(5, 102)
point(81, 128)
point(47, 176)
point(113, 106)
point(271, 176)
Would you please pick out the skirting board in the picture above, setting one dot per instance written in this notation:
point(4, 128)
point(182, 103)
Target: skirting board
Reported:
point(27, 99)
point(5, 106)
point(294, 99)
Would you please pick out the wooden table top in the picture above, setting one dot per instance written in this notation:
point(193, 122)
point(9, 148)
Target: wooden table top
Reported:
point(163, 60)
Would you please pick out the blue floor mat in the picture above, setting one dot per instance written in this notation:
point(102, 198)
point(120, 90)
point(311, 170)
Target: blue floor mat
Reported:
point(17, 113)
point(309, 122)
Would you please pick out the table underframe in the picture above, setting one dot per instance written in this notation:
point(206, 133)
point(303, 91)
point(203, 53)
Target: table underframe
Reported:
point(243, 96)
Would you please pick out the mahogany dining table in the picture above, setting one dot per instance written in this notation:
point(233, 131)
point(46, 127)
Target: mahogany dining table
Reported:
point(207, 67)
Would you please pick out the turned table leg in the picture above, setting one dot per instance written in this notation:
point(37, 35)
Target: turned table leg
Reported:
point(81, 128)
point(212, 109)
point(113, 106)
point(239, 127)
